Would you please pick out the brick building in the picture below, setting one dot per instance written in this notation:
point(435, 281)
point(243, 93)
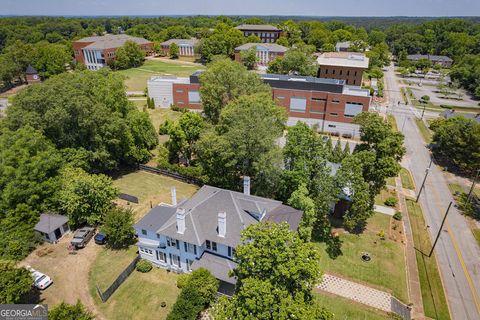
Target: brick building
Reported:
point(266, 52)
point(348, 66)
point(95, 52)
point(443, 61)
point(266, 32)
point(186, 47)
point(328, 103)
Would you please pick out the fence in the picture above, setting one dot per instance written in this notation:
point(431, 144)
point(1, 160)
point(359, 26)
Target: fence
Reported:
point(401, 309)
point(171, 174)
point(120, 279)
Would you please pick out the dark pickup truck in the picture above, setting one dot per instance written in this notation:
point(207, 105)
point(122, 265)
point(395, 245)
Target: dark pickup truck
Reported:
point(82, 236)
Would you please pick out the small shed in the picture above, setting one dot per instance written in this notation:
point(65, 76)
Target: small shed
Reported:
point(32, 75)
point(52, 226)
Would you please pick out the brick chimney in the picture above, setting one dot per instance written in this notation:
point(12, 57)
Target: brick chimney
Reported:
point(222, 224)
point(180, 220)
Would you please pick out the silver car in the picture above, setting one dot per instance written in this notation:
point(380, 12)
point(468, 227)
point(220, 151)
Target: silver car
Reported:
point(40, 280)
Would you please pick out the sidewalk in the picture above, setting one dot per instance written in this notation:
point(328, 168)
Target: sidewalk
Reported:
point(413, 280)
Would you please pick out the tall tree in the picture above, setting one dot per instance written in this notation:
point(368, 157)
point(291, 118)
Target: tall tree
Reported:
point(173, 51)
point(130, 55)
point(51, 59)
point(118, 227)
point(14, 283)
point(295, 61)
point(237, 145)
point(222, 41)
point(85, 197)
point(65, 311)
point(249, 58)
point(224, 81)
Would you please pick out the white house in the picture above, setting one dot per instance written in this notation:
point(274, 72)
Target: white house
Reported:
point(204, 231)
point(52, 226)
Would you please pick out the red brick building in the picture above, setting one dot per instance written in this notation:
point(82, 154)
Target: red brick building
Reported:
point(328, 103)
point(348, 66)
point(95, 52)
point(266, 32)
point(266, 52)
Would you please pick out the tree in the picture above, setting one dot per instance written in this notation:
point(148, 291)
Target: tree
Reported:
point(198, 292)
point(458, 140)
point(277, 270)
point(65, 311)
point(50, 59)
point(383, 150)
point(283, 41)
point(183, 136)
point(14, 283)
point(224, 81)
point(29, 169)
point(173, 51)
point(16, 231)
point(425, 99)
point(237, 146)
point(85, 197)
point(346, 150)
point(87, 111)
point(337, 153)
point(223, 41)
point(118, 227)
point(300, 200)
point(296, 62)
point(130, 55)
point(249, 58)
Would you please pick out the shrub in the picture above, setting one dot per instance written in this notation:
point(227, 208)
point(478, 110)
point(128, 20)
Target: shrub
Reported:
point(381, 234)
point(397, 216)
point(391, 202)
point(144, 266)
point(182, 280)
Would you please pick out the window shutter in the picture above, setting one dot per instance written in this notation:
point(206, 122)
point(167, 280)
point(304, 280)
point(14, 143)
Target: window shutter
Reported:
point(195, 249)
point(178, 259)
point(185, 245)
point(168, 241)
point(178, 244)
point(170, 255)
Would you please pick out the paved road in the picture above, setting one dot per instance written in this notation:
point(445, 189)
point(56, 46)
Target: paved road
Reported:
point(458, 254)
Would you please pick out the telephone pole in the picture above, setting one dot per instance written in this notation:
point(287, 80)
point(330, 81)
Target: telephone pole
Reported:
point(440, 230)
point(424, 179)
point(473, 186)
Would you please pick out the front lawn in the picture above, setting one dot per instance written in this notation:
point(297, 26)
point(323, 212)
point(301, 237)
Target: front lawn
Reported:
point(151, 189)
point(407, 180)
point(158, 115)
point(434, 302)
point(140, 296)
point(345, 309)
point(386, 271)
point(137, 77)
point(424, 131)
point(384, 195)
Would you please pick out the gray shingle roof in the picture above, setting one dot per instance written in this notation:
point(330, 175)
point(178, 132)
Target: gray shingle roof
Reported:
point(111, 41)
point(190, 42)
point(269, 46)
point(447, 114)
point(201, 216)
point(431, 57)
point(49, 222)
point(218, 266)
point(31, 70)
point(255, 27)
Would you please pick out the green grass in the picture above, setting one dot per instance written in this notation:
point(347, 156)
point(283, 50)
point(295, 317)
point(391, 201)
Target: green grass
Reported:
point(158, 115)
point(391, 182)
point(140, 296)
point(391, 120)
point(344, 309)
point(137, 77)
point(386, 271)
point(109, 264)
point(434, 302)
point(455, 188)
point(144, 185)
point(476, 234)
point(384, 195)
point(424, 131)
point(407, 180)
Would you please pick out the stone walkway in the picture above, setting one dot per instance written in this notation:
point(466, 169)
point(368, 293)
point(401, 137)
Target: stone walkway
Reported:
point(385, 210)
point(356, 292)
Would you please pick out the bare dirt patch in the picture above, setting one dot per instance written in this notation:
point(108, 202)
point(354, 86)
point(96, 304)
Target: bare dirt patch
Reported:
point(68, 271)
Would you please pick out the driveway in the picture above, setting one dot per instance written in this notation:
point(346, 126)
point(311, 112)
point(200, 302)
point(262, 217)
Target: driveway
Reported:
point(457, 253)
point(68, 271)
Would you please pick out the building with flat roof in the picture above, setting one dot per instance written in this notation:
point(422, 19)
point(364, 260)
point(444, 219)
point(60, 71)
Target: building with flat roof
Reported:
point(186, 47)
point(348, 66)
point(203, 231)
point(267, 33)
point(329, 104)
point(443, 61)
point(266, 52)
point(96, 51)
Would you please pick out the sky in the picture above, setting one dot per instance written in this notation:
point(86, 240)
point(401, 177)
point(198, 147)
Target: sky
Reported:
point(243, 7)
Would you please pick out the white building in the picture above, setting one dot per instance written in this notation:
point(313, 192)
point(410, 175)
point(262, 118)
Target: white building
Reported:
point(186, 47)
point(204, 230)
point(52, 227)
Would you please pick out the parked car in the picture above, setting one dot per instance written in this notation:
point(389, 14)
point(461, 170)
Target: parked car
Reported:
point(100, 238)
point(82, 236)
point(40, 280)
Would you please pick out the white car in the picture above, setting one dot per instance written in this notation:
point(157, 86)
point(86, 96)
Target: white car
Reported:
point(40, 280)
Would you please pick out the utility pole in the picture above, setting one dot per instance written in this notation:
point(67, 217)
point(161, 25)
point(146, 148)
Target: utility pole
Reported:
point(473, 186)
point(423, 112)
point(424, 179)
point(440, 230)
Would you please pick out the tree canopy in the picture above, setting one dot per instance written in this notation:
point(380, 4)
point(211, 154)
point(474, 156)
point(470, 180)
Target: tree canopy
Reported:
point(89, 112)
point(130, 55)
point(118, 227)
point(14, 283)
point(65, 311)
point(295, 61)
